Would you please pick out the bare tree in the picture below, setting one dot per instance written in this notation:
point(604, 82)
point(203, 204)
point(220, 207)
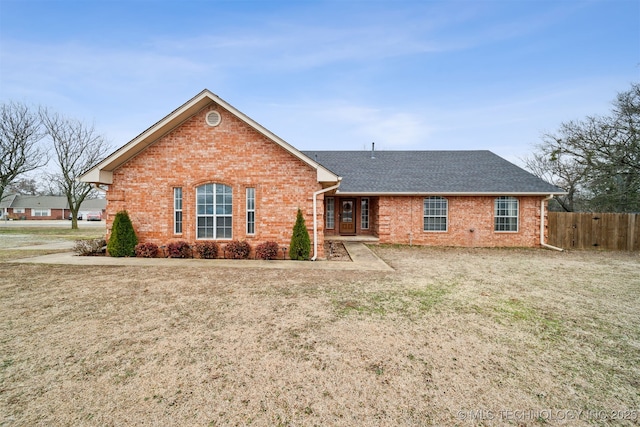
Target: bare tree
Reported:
point(602, 152)
point(20, 148)
point(561, 171)
point(28, 186)
point(77, 147)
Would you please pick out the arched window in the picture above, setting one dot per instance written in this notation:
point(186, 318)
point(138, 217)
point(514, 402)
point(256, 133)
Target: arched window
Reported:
point(506, 214)
point(436, 212)
point(214, 208)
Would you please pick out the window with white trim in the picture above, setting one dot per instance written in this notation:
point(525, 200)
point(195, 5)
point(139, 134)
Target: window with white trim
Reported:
point(251, 210)
point(506, 214)
point(214, 210)
point(177, 210)
point(364, 213)
point(40, 212)
point(331, 216)
point(436, 213)
point(18, 210)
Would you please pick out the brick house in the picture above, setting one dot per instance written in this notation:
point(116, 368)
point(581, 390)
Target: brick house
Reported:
point(17, 206)
point(208, 171)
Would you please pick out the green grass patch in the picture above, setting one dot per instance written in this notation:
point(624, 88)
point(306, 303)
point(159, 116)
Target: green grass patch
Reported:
point(407, 303)
point(516, 310)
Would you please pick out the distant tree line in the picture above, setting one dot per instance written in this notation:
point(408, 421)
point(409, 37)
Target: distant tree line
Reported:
point(596, 160)
point(32, 138)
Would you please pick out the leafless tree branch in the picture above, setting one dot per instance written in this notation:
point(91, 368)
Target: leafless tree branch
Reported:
point(77, 147)
point(20, 148)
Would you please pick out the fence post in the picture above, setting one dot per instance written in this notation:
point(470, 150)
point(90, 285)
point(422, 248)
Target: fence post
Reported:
point(631, 231)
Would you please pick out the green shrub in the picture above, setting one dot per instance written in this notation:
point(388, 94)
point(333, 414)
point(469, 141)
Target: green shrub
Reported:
point(207, 250)
point(236, 249)
point(267, 250)
point(179, 249)
point(123, 239)
point(300, 247)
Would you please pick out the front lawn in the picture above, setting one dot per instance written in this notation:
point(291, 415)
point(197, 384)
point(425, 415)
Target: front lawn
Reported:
point(452, 337)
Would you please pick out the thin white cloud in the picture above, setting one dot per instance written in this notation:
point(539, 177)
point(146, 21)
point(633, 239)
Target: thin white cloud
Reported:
point(390, 129)
point(334, 65)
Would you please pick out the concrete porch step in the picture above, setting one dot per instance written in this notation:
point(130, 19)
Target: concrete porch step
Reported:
point(364, 239)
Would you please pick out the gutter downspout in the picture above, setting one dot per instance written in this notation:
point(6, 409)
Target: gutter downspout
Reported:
point(542, 243)
point(315, 217)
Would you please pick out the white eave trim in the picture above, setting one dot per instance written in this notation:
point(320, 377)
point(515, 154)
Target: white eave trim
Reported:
point(103, 172)
point(99, 176)
point(441, 193)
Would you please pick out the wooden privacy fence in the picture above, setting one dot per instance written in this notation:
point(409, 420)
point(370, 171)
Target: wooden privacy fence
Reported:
point(613, 231)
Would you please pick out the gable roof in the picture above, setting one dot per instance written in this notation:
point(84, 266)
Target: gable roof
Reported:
point(6, 201)
point(430, 172)
point(49, 202)
point(102, 173)
point(44, 202)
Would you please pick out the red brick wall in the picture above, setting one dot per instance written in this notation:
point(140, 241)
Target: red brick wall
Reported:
point(55, 214)
point(400, 220)
point(233, 154)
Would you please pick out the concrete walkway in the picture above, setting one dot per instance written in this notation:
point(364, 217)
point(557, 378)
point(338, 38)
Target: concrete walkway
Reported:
point(363, 259)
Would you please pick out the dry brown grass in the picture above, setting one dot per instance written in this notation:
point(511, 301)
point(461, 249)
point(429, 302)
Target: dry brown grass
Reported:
point(12, 237)
point(14, 254)
point(450, 330)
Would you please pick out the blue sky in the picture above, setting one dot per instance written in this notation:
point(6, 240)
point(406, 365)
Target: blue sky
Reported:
point(407, 75)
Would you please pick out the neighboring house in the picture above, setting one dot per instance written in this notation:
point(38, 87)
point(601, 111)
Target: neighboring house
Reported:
point(17, 206)
point(208, 172)
point(6, 201)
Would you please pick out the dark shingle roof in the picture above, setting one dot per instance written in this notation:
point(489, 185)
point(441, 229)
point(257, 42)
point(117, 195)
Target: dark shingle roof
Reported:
point(50, 202)
point(429, 172)
point(45, 202)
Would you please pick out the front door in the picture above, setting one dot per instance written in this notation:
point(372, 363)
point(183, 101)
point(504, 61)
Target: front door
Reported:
point(347, 216)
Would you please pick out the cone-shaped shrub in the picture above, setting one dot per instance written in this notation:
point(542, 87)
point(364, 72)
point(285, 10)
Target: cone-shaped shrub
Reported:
point(300, 247)
point(123, 240)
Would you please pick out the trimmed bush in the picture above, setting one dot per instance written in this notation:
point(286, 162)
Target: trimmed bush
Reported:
point(207, 250)
point(267, 250)
point(89, 247)
point(236, 249)
point(147, 250)
point(178, 249)
point(123, 239)
point(300, 247)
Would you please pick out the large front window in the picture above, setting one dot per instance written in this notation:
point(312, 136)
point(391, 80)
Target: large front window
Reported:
point(506, 214)
point(435, 213)
point(40, 212)
point(214, 211)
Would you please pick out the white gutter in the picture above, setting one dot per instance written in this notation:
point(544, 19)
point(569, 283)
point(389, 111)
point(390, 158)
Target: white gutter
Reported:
point(542, 243)
point(437, 193)
point(315, 216)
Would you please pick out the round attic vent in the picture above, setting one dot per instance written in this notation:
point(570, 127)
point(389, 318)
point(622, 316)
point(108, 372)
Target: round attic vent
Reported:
point(213, 118)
